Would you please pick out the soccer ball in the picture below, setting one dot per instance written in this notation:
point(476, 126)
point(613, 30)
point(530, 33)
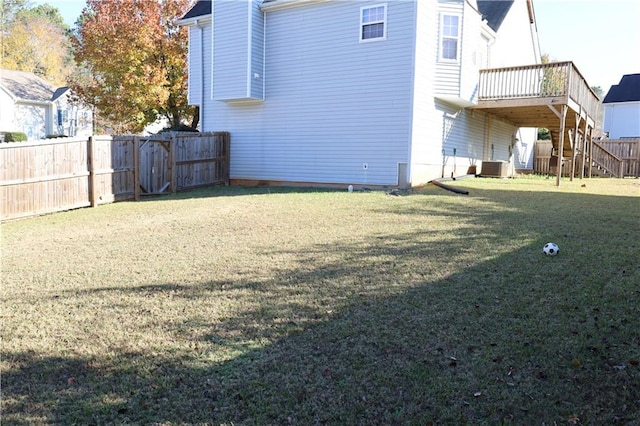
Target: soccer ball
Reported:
point(550, 249)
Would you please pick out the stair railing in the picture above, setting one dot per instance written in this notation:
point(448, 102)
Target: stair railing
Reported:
point(601, 157)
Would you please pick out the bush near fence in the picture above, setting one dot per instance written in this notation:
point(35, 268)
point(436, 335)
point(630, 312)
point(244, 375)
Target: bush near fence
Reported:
point(62, 174)
point(13, 137)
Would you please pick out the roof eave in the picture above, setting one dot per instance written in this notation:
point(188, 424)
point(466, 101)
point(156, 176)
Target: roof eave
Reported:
point(194, 21)
point(9, 93)
point(33, 102)
point(270, 6)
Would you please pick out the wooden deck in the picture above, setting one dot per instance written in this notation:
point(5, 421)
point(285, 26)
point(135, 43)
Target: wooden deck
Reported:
point(554, 96)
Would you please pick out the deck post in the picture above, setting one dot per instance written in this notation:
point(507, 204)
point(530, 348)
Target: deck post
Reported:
point(574, 145)
point(563, 119)
point(587, 131)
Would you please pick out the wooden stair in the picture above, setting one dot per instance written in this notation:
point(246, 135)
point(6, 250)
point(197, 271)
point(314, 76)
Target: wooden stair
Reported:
point(602, 161)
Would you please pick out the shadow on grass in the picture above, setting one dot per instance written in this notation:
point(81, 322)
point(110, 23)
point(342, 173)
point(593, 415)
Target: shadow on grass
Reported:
point(367, 332)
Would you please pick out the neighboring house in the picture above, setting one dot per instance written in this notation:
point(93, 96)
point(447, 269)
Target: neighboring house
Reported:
point(622, 108)
point(31, 105)
point(357, 92)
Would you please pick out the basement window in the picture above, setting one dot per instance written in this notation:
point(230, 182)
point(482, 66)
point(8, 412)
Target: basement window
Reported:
point(373, 23)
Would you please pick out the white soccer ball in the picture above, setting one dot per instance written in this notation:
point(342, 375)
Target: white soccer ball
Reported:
point(551, 249)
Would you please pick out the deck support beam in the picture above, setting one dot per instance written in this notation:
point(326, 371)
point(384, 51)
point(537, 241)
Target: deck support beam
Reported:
point(563, 119)
point(586, 135)
point(576, 143)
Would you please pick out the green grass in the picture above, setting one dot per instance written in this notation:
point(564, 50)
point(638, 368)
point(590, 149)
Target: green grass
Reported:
point(294, 306)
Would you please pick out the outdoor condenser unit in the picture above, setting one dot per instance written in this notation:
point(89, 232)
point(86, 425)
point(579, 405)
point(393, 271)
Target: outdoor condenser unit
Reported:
point(495, 169)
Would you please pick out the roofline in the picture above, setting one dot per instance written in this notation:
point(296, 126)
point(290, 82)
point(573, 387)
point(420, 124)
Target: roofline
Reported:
point(8, 92)
point(287, 4)
point(195, 21)
point(63, 90)
point(32, 102)
point(621, 102)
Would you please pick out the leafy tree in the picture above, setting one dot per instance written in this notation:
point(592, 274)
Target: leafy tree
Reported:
point(134, 55)
point(46, 11)
point(598, 91)
point(36, 40)
point(544, 134)
point(8, 10)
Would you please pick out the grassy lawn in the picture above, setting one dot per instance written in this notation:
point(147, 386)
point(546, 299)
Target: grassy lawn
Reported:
point(290, 306)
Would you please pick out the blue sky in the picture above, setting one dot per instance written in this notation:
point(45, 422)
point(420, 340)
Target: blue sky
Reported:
point(601, 37)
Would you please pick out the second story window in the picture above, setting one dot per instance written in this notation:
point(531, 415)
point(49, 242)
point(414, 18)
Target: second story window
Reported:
point(373, 23)
point(449, 38)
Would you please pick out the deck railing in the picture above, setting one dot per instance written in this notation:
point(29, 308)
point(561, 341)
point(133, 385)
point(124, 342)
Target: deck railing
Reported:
point(603, 158)
point(552, 80)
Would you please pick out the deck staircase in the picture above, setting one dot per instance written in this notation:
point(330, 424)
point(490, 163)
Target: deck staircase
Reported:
point(602, 161)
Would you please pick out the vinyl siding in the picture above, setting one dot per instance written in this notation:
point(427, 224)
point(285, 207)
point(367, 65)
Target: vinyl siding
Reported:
point(238, 60)
point(523, 150)
point(331, 102)
point(500, 138)
point(475, 136)
point(230, 60)
point(195, 66)
point(622, 119)
point(207, 77)
point(447, 76)
point(256, 76)
point(426, 139)
point(469, 67)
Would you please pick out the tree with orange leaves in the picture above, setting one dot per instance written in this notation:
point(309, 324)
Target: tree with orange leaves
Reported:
point(134, 59)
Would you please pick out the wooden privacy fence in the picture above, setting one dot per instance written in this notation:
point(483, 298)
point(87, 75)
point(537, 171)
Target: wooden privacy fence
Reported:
point(627, 150)
point(63, 174)
point(620, 157)
point(544, 162)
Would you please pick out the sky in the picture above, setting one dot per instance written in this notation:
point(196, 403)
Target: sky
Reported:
point(601, 37)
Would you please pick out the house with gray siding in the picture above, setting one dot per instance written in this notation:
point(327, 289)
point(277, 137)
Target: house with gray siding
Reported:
point(369, 93)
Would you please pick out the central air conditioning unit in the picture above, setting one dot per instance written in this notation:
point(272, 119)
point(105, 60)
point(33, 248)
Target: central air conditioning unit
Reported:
point(495, 169)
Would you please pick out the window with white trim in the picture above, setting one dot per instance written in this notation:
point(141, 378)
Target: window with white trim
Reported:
point(450, 38)
point(373, 23)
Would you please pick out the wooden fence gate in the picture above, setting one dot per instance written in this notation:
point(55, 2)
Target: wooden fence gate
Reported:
point(155, 165)
point(63, 174)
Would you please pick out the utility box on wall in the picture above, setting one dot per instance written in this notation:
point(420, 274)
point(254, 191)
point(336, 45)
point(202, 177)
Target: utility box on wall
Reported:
point(495, 169)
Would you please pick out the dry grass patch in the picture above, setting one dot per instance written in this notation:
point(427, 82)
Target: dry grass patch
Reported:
point(289, 306)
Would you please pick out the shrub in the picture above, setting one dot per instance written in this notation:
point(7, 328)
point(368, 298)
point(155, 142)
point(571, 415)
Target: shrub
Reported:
point(179, 128)
point(55, 136)
point(14, 136)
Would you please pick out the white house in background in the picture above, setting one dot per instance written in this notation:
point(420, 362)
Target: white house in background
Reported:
point(622, 108)
point(357, 92)
point(31, 105)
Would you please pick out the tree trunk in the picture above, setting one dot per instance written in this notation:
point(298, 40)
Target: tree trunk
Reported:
point(195, 120)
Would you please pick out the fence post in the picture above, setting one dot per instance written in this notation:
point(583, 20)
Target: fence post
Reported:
point(93, 187)
point(173, 187)
point(136, 168)
point(227, 156)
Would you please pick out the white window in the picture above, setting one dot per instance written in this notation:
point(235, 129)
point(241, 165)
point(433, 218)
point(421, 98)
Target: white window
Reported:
point(373, 23)
point(450, 38)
